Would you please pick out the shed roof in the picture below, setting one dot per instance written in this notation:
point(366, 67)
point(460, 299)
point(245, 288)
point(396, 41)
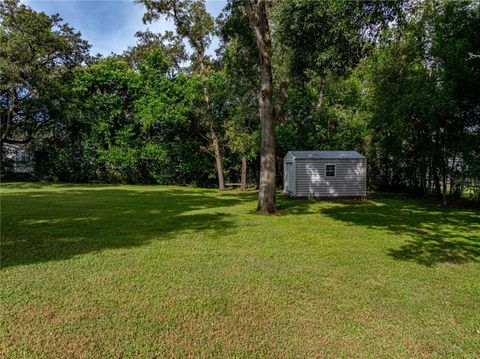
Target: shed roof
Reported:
point(326, 154)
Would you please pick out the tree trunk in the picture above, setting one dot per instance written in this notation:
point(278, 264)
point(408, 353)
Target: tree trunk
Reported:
point(213, 133)
point(243, 186)
point(214, 139)
point(444, 179)
point(266, 195)
point(429, 178)
point(436, 178)
point(444, 190)
point(424, 180)
point(452, 172)
point(5, 130)
point(218, 159)
point(257, 15)
point(321, 93)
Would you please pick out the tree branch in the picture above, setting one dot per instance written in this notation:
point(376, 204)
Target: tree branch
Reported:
point(321, 93)
point(282, 99)
point(258, 27)
point(472, 56)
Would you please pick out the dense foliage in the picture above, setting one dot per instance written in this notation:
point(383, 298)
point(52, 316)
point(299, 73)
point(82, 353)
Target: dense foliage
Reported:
point(397, 81)
point(127, 126)
point(423, 95)
point(38, 54)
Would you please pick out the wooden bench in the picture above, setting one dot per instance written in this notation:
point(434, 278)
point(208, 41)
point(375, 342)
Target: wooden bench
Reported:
point(232, 184)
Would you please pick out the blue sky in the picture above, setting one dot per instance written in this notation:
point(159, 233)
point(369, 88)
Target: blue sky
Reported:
point(109, 26)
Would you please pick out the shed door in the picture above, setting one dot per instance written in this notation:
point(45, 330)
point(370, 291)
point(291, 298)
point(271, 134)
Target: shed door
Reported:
point(289, 177)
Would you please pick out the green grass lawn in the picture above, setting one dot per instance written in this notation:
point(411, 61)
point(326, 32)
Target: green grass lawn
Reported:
point(146, 271)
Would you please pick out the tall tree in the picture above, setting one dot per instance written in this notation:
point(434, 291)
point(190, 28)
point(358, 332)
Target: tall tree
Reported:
point(257, 12)
point(193, 22)
point(37, 56)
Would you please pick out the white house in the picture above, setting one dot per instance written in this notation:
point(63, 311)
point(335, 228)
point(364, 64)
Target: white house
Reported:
point(325, 174)
point(20, 157)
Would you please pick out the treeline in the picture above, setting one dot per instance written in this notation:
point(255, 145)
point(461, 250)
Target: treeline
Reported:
point(396, 81)
point(423, 94)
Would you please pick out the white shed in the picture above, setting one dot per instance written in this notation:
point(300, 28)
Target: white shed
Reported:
point(325, 174)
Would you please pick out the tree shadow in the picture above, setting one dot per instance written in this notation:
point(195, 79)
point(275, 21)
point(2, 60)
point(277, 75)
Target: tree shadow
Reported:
point(307, 206)
point(287, 205)
point(437, 234)
point(42, 225)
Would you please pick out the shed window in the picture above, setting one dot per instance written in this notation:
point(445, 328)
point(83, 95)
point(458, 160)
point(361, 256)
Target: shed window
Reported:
point(330, 170)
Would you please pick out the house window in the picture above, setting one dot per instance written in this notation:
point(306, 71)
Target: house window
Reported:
point(330, 170)
point(22, 156)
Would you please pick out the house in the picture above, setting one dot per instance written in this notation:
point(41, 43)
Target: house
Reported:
point(325, 174)
point(20, 159)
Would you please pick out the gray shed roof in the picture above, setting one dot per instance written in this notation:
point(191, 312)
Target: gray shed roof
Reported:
point(325, 154)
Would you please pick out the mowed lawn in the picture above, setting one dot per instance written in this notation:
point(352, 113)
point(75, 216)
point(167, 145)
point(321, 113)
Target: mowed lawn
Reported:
point(101, 271)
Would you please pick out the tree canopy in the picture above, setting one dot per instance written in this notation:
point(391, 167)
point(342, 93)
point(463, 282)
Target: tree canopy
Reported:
point(38, 54)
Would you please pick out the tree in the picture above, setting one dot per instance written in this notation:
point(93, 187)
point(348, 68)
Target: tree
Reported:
point(127, 125)
point(193, 22)
point(257, 12)
point(94, 138)
point(241, 122)
point(38, 54)
point(242, 141)
point(169, 44)
point(166, 113)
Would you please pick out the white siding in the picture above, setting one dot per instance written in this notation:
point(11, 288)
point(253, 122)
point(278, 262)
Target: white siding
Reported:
point(21, 158)
point(349, 180)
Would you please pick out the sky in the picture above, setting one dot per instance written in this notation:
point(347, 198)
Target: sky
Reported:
point(109, 26)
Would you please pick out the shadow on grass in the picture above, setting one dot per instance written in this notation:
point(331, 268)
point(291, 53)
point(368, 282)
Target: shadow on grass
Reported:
point(436, 234)
point(47, 225)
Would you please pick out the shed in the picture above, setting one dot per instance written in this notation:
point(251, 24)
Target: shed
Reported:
point(325, 174)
